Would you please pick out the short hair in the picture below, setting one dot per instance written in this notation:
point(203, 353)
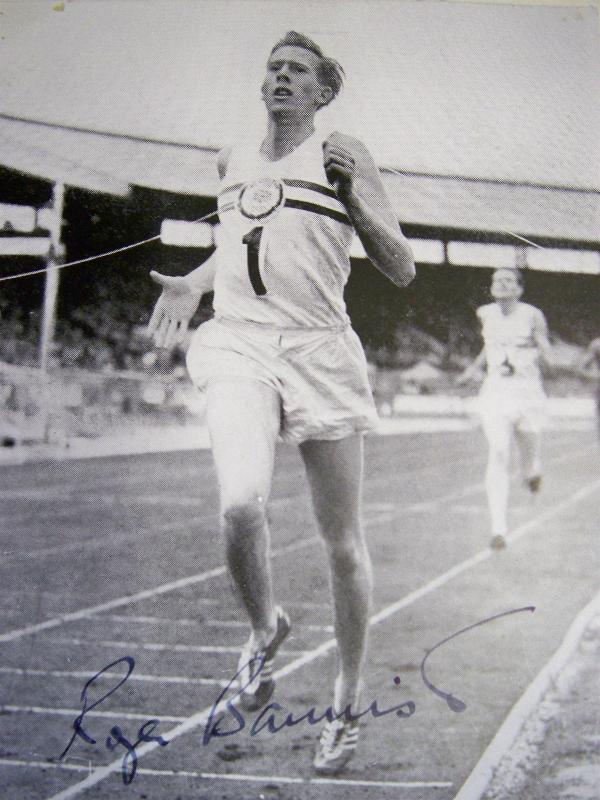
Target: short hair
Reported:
point(329, 71)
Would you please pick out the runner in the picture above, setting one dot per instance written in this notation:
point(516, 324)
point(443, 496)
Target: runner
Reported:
point(280, 357)
point(512, 399)
point(591, 369)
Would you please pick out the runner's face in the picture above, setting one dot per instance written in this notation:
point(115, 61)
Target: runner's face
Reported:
point(292, 83)
point(505, 285)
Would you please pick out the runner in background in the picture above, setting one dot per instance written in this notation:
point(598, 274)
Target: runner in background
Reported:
point(512, 399)
point(590, 366)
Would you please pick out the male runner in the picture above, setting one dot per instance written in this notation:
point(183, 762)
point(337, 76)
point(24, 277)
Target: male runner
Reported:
point(280, 358)
point(512, 398)
point(591, 369)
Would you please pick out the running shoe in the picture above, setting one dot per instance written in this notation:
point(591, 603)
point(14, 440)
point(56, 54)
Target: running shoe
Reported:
point(256, 667)
point(498, 542)
point(336, 746)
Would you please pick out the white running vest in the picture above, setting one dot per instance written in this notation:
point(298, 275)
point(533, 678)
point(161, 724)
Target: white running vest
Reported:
point(510, 347)
point(288, 269)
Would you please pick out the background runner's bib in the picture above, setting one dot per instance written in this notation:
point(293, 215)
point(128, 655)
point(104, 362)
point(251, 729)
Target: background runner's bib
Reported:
point(510, 347)
point(283, 242)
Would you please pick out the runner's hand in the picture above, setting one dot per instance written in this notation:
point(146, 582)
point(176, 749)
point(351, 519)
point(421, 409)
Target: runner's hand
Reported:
point(463, 379)
point(173, 310)
point(339, 165)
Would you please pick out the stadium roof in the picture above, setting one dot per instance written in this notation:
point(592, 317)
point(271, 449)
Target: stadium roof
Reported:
point(490, 111)
point(110, 163)
point(105, 162)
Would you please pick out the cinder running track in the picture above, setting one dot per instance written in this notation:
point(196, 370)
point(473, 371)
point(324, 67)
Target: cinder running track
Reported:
point(120, 557)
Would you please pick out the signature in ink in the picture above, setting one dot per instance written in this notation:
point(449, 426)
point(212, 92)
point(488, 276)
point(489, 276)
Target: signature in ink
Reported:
point(116, 736)
point(272, 719)
point(267, 719)
point(454, 703)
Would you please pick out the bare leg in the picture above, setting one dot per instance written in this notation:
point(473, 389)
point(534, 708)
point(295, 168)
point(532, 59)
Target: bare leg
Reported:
point(243, 420)
point(498, 432)
point(334, 470)
point(530, 446)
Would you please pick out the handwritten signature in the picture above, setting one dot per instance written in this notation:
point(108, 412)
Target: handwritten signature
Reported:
point(116, 737)
point(226, 707)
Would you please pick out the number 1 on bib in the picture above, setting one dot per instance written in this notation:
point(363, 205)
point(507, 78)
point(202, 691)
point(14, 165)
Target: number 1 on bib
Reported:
point(252, 240)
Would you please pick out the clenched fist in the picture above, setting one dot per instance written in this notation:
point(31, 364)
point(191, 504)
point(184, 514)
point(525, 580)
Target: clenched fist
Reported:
point(340, 164)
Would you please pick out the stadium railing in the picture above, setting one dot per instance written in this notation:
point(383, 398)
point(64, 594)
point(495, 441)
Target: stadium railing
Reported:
point(72, 402)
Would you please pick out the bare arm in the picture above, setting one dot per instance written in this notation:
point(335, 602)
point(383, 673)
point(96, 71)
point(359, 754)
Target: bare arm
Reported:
point(181, 296)
point(201, 279)
point(351, 169)
point(474, 370)
point(540, 335)
point(589, 364)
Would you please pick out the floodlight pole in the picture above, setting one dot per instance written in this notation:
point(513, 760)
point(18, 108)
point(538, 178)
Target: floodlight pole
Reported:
point(55, 258)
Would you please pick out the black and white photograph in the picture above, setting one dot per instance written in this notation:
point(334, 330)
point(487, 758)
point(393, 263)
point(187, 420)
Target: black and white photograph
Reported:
point(299, 400)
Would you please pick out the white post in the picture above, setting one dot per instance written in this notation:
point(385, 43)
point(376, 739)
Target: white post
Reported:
point(55, 258)
point(52, 276)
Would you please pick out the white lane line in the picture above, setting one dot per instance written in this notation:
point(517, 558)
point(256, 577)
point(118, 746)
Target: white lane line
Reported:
point(197, 623)
point(158, 647)
point(200, 718)
point(483, 772)
point(428, 470)
point(75, 712)
point(473, 510)
point(429, 506)
point(174, 585)
point(17, 762)
point(484, 555)
point(581, 494)
point(136, 676)
point(159, 499)
point(424, 507)
point(416, 508)
point(232, 776)
point(145, 594)
point(383, 784)
point(118, 602)
point(32, 494)
point(106, 540)
point(308, 606)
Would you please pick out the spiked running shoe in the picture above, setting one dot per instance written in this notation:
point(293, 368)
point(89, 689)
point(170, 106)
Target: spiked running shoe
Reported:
point(336, 746)
point(256, 667)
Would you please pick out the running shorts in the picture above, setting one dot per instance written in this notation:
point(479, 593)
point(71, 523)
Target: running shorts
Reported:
point(523, 403)
point(320, 374)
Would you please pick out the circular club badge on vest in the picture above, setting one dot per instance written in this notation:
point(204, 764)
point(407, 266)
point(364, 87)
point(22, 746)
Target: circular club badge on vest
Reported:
point(506, 369)
point(261, 199)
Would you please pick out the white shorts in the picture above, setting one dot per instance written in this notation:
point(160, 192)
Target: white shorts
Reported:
point(523, 404)
point(319, 374)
